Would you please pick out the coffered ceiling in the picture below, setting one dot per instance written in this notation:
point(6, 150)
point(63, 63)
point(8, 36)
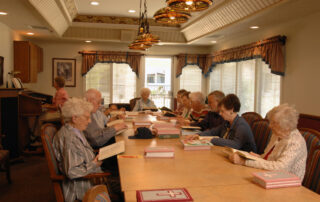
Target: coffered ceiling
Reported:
point(111, 21)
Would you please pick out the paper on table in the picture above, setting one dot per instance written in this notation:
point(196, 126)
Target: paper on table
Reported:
point(111, 150)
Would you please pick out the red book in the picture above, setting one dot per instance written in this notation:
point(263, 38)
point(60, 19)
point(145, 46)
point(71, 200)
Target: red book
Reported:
point(168, 131)
point(141, 123)
point(164, 195)
point(159, 152)
point(276, 179)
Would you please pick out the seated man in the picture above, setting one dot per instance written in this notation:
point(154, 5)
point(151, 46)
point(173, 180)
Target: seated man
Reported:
point(235, 132)
point(97, 133)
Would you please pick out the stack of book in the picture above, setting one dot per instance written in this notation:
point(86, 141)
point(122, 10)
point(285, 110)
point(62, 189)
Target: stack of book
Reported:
point(190, 130)
point(276, 179)
point(161, 195)
point(141, 123)
point(159, 152)
point(168, 133)
point(196, 144)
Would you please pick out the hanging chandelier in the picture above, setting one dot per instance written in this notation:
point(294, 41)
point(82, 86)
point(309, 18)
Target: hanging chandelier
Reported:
point(189, 5)
point(144, 39)
point(168, 15)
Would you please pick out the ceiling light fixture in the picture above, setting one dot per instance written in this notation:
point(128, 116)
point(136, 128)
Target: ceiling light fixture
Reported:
point(213, 41)
point(170, 16)
point(189, 5)
point(3, 13)
point(94, 3)
point(254, 27)
point(30, 33)
point(88, 41)
point(144, 39)
point(131, 11)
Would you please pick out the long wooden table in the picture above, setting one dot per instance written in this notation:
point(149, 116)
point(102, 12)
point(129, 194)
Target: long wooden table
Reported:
point(208, 175)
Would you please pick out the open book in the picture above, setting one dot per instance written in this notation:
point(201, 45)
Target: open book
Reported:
point(111, 150)
point(112, 123)
point(243, 154)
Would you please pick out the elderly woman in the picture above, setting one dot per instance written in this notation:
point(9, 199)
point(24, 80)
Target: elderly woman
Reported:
point(286, 149)
point(180, 106)
point(144, 102)
point(199, 109)
point(213, 118)
point(235, 132)
point(74, 154)
point(186, 105)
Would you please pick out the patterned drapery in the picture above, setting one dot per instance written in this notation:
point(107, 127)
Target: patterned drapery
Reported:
point(90, 58)
point(204, 62)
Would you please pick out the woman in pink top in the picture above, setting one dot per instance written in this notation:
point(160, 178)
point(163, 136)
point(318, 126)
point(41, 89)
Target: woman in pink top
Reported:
point(61, 95)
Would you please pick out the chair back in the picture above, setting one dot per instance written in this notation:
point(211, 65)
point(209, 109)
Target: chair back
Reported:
point(250, 117)
point(133, 102)
point(47, 133)
point(262, 134)
point(312, 176)
point(312, 138)
point(98, 193)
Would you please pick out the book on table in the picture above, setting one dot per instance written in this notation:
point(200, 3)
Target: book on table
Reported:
point(111, 150)
point(166, 133)
point(112, 123)
point(159, 152)
point(243, 154)
point(164, 195)
point(191, 127)
point(196, 144)
point(189, 132)
point(141, 123)
point(129, 113)
point(276, 179)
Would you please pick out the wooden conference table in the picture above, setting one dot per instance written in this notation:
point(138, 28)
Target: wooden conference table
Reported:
point(207, 175)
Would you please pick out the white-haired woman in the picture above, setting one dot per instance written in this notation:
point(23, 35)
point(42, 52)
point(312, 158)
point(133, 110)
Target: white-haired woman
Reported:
point(287, 148)
point(144, 102)
point(199, 109)
point(74, 154)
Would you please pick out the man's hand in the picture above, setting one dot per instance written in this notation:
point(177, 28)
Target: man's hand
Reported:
point(96, 161)
point(120, 126)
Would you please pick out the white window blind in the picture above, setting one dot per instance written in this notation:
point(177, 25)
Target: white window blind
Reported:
point(124, 83)
point(190, 78)
point(246, 85)
point(99, 77)
point(229, 72)
point(116, 82)
point(215, 78)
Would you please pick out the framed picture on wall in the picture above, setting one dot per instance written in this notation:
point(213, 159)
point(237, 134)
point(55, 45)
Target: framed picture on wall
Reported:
point(66, 68)
point(1, 70)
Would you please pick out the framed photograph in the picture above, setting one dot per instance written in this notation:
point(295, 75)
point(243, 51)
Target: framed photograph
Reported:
point(66, 68)
point(1, 70)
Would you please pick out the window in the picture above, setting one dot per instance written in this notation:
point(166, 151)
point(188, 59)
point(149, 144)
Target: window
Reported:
point(158, 70)
point(257, 89)
point(190, 78)
point(120, 76)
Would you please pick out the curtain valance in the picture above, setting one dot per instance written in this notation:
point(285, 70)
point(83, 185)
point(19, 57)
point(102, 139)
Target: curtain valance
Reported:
point(271, 50)
point(204, 62)
point(90, 58)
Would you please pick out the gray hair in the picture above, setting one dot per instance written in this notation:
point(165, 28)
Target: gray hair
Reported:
point(218, 95)
point(75, 107)
point(145, 90)
point(92, 94)
point(285, 115)
point(197, 96)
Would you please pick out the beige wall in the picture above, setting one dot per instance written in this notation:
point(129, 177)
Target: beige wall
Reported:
point(300, 85)
point(63, 49)
point(6, 50)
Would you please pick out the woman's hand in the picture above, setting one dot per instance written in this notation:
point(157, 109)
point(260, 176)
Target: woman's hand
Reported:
point(254, 154)
point(236, 159)
point(96, 161)
point(120, 126)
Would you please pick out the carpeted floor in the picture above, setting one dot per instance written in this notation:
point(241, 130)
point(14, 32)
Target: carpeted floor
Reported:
point(30, 182)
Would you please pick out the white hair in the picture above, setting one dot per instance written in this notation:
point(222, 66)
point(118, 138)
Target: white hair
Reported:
point(145, 90)
point(75, 107)
point(285, 115)
point(92, 94)
point(196, 97)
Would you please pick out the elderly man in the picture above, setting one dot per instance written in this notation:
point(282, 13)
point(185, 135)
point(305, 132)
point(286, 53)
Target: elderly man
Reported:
point(97, 133)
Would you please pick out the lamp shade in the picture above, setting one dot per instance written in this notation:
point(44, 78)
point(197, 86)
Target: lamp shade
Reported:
point(168, 15)
point(189, 5)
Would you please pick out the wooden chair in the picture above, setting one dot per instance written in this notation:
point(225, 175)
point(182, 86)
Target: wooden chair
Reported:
point(250, 117)
point(47, 134)
point(5, 161)
point(262, 134)
point(133, 102)
point(98, 193)
point(312, 138)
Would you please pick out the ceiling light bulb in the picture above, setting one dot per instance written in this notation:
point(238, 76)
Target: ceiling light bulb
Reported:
point(94, 3)
point(189, 3)
point(30, 33)
point(3, 13)
point(131, 11)
point(254, 27)
point(172, 17)
point(88, 41)
point(213, 41)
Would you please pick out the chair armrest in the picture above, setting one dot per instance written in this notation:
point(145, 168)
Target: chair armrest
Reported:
point(97, 175)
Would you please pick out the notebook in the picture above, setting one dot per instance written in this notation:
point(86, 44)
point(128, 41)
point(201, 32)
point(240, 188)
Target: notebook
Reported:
point(164, 195)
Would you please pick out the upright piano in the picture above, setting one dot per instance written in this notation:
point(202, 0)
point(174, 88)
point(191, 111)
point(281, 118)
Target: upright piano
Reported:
point(17, 105)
